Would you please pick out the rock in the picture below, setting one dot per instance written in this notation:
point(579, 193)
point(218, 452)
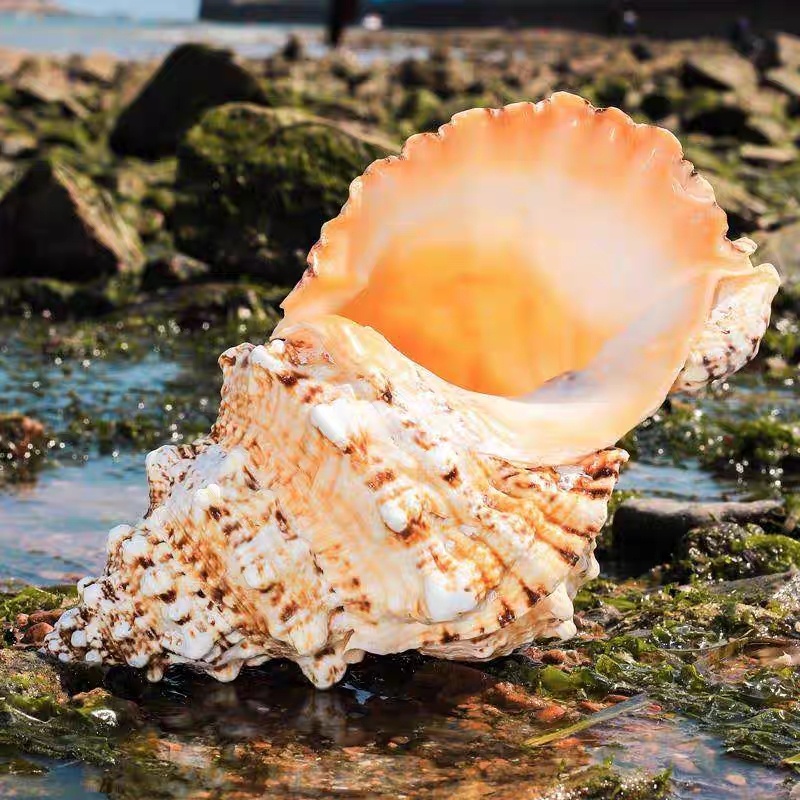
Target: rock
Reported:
point(787, 81)
point(27, 676)
point(744, 210)
point(52, 299)
point(649, 529)
point(657, 104)
point(56, 223)
point(32, 90)
point(727, 551)
point(100, 68)
point(768, 156)
point(423, 109)
point(18, 145)
point(721, 71)
point(197, 306)
point(294, 49)
point(255, 185)
point(103, 706)
point(781, 248)
point(35, 633)
point(444, 75)
point(766, 130)
point(192, 79)
point(724, 119)
point(512, 697)
point(174, 269)
point(22, 444)
point(785, 50)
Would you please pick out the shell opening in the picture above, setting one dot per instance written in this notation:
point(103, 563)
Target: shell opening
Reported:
point(547, 252)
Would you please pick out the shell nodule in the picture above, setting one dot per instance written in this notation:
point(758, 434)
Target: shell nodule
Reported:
point(422, 456)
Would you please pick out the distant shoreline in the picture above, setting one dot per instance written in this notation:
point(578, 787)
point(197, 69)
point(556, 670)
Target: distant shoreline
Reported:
point(33, 8)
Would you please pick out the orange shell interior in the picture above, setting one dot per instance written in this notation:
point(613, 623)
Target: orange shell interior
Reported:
point(512, 246)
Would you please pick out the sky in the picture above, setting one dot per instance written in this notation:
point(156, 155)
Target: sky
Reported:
point(148, 9)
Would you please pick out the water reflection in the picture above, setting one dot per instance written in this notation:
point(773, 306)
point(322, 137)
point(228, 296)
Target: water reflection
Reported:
point(399, 727)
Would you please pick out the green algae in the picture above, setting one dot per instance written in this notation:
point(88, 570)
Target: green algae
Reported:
point(661, 647)
point(603, 782)
point(729, 552)
point(31, 599)
point(255, 186)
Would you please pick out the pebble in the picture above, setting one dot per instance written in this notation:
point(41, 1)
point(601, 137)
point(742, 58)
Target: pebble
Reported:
point(554, 657)
point(551, 713)
point(736, 779)
point(36, 633)
point(50, 617)
point(509, 696)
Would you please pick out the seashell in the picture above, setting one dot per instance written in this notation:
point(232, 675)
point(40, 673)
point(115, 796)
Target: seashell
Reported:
point(422, 455)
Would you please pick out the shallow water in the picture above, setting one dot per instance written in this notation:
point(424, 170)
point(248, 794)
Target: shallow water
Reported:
point(141, 39)
point(399, 727)
point(87, 384)
point(54, 530)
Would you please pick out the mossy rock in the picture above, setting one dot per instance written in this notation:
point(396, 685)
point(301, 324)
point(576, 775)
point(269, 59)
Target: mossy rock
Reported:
point(192, 79)
point(442, 74)
point(173, 269)
point(255, 186)
point(56, 223)
point(22, 446)
point(54, 299)
point(730, 552)
point(423, 109)
point(198, 306)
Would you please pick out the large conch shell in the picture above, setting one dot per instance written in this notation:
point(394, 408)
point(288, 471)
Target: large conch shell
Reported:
point(421, 456)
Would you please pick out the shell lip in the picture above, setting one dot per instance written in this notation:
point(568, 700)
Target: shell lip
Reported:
point(687, 182)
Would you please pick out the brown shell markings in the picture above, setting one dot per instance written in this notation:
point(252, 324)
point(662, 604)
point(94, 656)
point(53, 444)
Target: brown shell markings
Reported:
point(447, 550)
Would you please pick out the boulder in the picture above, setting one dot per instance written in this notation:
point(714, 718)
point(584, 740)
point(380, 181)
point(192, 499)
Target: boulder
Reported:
point(255, 185)
point(650, 529)
point(787, 81)
point(442, 74)
point(54, 299)
point(100, 68)
point(55, 223)
point(727, 551)
point(18, 145)
point(725, 119)
point(32, 91)
point(192, 79)
point(294, 49)
point(195, 307)
point(785, 50)
point(767, 130)
point(723, 71)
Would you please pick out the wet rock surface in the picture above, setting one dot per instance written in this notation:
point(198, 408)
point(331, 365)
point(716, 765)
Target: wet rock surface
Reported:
point(727, 551)
point(652, 528)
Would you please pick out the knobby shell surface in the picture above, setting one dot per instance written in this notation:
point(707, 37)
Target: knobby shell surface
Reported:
point(422, 455)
